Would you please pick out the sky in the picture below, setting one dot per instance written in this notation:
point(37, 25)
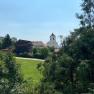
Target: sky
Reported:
point(35, 20)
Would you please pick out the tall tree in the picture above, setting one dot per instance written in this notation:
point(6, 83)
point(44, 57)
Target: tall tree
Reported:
point(6, 42)
point(87, 17)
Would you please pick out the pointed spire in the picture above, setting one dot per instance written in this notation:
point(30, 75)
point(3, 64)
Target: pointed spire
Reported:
point(52, 34)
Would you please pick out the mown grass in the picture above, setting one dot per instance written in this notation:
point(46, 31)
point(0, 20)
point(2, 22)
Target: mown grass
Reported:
point(30, 71)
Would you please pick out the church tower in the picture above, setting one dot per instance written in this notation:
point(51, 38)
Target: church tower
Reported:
point(52, 42)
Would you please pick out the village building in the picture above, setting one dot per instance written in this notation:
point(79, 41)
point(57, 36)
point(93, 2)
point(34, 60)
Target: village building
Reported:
point(38, 44)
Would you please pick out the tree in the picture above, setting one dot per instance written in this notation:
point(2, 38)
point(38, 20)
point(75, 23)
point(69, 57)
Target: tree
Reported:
point(87, 18)
point(23, 48)
point(44, 53)
point(83, 72)
point(0, 45)
point(41, 53)
point(6, 43)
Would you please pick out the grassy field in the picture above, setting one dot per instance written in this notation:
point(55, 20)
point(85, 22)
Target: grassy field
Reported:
point(29, 70)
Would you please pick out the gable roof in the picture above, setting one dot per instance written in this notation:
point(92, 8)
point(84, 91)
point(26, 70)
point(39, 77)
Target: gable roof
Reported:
point(38, 44)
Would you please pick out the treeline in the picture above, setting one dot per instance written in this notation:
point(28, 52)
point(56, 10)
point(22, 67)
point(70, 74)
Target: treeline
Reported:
point(23, 48)
point(7, 42)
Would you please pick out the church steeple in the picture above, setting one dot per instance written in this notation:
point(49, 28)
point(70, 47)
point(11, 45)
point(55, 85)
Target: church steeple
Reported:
point(52, 37)
point(52, 42)
point(52, 34)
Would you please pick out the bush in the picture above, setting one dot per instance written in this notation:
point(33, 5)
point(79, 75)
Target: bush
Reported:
point(10, 76)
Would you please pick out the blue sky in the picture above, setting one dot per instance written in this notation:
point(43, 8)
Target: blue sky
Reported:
point(37, 19)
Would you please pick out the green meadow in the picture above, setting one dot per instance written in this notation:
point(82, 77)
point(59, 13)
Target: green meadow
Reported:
point(29, 70)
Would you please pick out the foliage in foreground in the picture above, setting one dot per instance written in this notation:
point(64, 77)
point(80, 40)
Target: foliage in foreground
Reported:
point(10, 76)
point(72, 70)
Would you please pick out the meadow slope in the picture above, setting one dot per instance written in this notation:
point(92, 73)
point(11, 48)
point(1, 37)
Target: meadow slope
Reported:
point(29, 69)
